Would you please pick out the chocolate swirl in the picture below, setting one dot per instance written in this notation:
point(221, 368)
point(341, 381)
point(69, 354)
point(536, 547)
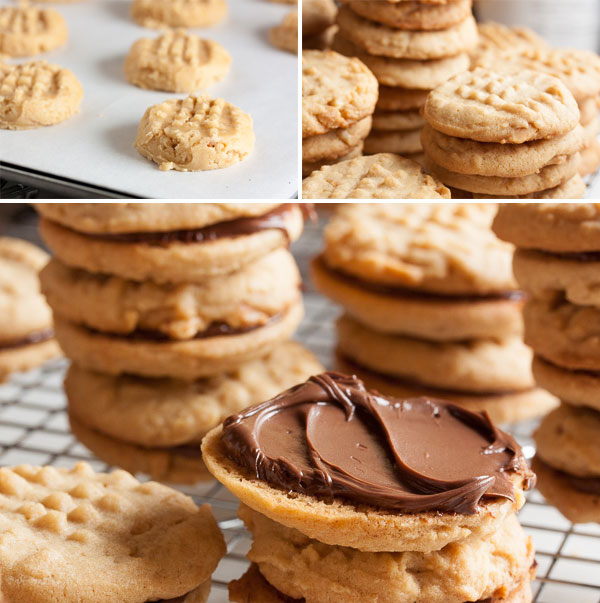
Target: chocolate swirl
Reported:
point(331, 438)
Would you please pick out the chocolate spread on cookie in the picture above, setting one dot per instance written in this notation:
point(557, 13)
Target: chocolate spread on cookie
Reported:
point(30, 339)
point(275, 219)
point(331, 438)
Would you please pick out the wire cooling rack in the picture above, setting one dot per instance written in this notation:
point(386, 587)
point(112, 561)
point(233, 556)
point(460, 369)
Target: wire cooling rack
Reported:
point(34, 429)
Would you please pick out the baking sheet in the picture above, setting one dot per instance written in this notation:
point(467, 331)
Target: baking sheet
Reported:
point(96, 145)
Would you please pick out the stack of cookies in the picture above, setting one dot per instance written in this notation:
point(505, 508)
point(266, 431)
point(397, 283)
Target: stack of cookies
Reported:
point(338, 99)
point(390, 509)
point(504, 135)
point(174, 315)
point(431, 306)
point(411, 47)
point(557, 263)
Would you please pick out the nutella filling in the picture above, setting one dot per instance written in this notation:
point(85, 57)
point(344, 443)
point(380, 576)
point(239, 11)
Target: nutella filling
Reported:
point(398, 291)
point(275, 219)
point(331, 438)
point(576, 256)
point(30, 339)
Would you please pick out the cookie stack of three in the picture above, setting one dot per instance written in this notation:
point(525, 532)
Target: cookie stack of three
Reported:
point(411, 47)
point(492, 134)
point(338, 100)
point(557, 262)
point(390, 509)
point(174, 315)
point(431, 306)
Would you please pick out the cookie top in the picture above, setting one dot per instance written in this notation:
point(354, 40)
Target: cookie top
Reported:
point(178, 13)
point(37, 94)
point(28, 30)
point(488, 106)
point(441, 248)
point(336, 91)
point(497, 37)
point(558, 227)
point(380, 176)
point(72, 534)
point(196, 133)
point(177, 61)
point(23, 309)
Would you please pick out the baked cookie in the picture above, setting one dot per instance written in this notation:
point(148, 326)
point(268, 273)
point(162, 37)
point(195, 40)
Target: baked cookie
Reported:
point(388, 515)
point(335, 143)
point(176, 61)
point(26, 333)
point(285, 35)
point(317, 16)
point(28, 30)
point(167, 413)
point(463, 156)
point(382, 176)
point(308, 167)
point(178, 13)
point(420, 315)
point(37, 94)
point(195, 134)
point(398, 120)
point(404, 73)
point(588, 109)
point(399, 99)
point(488, 106)
point(445, 248)
point(378, 39)
point(142, 541)
point(590, 159)
point(181, 255)
point(401, 142)
point(155, 356)
point(336, 91)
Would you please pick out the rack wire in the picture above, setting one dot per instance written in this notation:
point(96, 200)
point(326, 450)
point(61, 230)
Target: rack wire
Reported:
point(34, 429)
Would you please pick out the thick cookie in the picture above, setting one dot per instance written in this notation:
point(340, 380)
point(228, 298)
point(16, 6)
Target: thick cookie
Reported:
point(308, 167)
point(176, 256)
point(378, 39)
point(573, 188)
point(142, 541)
point(285, 35)
point(176, 61)
point(491, 107)
point(382, 176)
point(195, 134)
point(28, 30)
point(167, 413)
point(398, 120)
point(399, 99)
point(188, 359)
point(37, 94)
point(178, 13)
point(436, 248)
point(404, 142)
point(335, 143)
point(245, 299)
point(336, 91)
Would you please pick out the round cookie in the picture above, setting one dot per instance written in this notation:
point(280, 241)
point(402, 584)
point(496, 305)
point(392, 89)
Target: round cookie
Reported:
point(401, 72)
point(577, 388)
point(576, 506)
point(317, 16)
point(242, 300)
point(485, 366)
point(402, 142)
point(187, 360)
point(308, 167)
point(37, 94)
point(487, 106)
point(557, 227)
point(28, 30)
point(178, 13)
point(399, 99)
point(549, 176)
point(166, 413)
point(382, 176)
point(398, 120)
point(27, 355)
point(503, 408)
point(176, 259)
point(439, 248)
point(413, 15)
point(176, 61)
point(336, 91)
point(304, 568)
point(463, 156)
point(335, 143)
point(431, 317)
point(195, 134)
point(285, 35)
point(143, 541)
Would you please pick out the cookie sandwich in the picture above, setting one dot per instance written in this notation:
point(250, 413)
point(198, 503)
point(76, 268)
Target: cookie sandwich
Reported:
point(556, 262)
point(26, 331)
point(431, 306)
point(386, 507)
